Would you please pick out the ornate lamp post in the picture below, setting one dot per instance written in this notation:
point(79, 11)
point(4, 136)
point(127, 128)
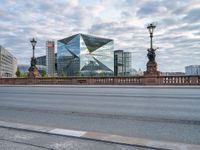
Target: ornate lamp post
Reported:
point(33, 71)
point(151, 64)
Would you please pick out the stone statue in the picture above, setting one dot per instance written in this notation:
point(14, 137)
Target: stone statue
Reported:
point(151, 54)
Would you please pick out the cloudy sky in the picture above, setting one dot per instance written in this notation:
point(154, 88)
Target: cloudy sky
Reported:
point(177, 34)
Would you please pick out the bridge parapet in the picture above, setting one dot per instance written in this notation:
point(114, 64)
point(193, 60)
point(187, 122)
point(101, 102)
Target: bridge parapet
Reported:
point(132, 80)
point(180, 80)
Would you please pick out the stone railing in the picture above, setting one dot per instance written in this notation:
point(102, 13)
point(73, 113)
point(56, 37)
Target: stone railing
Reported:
point(136, 80)
point(180, 80)
point(132, 80)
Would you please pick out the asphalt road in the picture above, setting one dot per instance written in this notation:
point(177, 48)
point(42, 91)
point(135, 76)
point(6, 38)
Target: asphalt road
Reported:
point(169, 114)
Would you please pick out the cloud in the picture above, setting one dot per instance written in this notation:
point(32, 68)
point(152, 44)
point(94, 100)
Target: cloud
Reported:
point(177, 33)
point(152, 8)
point(193, 16)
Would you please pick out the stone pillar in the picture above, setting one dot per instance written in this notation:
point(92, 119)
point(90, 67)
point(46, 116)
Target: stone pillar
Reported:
point(152, 75)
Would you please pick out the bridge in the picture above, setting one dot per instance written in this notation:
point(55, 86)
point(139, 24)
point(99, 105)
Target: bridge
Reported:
point(132, 80)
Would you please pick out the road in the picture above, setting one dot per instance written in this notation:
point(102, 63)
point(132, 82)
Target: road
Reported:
point(159, 113)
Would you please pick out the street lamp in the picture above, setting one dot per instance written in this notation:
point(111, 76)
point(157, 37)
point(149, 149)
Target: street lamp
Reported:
point(33, 71)
point(33, 42)
point(151, 52)
point(151, 64)
point(151, 27)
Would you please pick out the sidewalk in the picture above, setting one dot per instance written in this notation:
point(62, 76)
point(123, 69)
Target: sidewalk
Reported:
point(11, 139)
point(103, 86)
point(52, 138)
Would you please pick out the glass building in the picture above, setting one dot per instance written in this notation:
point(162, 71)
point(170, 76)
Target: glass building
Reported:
point(42, 61)
point(86, 55)
point(122, 63)
point(192, 70)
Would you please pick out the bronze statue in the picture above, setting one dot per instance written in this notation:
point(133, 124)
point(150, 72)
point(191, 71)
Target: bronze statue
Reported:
point(151, 54)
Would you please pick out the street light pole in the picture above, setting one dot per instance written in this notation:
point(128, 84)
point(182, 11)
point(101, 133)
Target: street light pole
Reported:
point(151, 43)
point(151, 64)
point(33, 43)
point(151, 52)
point(33, 71)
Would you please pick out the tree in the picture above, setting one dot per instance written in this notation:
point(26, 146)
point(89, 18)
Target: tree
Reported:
point(24, 75)
point(62, 73)
point(18, 73)
point(43, 73)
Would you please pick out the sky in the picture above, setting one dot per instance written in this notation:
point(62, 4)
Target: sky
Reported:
point(177, 34)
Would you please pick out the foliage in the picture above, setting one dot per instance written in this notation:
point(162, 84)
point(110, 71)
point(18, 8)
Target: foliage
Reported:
point(61, 74)
point(43, 73)
point(18, 73)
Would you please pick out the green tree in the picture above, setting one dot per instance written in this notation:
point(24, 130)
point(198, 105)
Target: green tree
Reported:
point(23, 75)
point(62, 73)
point(18, 73)
point(43, 73)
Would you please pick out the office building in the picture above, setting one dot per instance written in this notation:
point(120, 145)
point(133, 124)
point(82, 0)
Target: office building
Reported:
point(192, 70)
point(122, 63)
point(86, 55)
point(50, 57)
point(127, 63)
point(172, 73)
point(8, 63)
point(41, 61)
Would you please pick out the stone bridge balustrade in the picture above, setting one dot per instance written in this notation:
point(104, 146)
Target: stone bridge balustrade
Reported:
point(132, 80)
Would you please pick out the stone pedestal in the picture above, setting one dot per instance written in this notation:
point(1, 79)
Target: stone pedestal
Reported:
point(33, 72)
point(151, 76)
point(152, 69)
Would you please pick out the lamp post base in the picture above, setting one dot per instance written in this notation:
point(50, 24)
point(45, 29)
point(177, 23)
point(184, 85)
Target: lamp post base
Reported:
point(151, 76)
point(152, 69)
point(33, 72)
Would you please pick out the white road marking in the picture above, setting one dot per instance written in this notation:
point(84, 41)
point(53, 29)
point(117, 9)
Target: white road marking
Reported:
point(67, 132)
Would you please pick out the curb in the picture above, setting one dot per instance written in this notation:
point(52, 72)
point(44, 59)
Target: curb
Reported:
point(104, 86)
point(102, 137)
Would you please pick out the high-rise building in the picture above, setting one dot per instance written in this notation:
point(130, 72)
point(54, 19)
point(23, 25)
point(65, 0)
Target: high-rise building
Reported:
point(122, 63)
point(192, 70)
point(87, 55)
point(8, 63)
point(50, 57)
point(41, 60)
point(118, 62)
point(127, 63)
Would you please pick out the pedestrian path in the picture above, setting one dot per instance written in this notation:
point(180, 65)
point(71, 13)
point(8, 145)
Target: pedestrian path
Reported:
point(101, 137)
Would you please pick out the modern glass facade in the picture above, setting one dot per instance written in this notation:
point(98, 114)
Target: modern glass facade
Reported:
point(42, 61)
point(122, 63)
point(192, 70)
point(118, 62)
point(87, 55)
point(127, 63)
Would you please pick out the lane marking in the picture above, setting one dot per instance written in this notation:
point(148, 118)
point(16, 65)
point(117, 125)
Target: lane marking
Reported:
point(67, 132)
